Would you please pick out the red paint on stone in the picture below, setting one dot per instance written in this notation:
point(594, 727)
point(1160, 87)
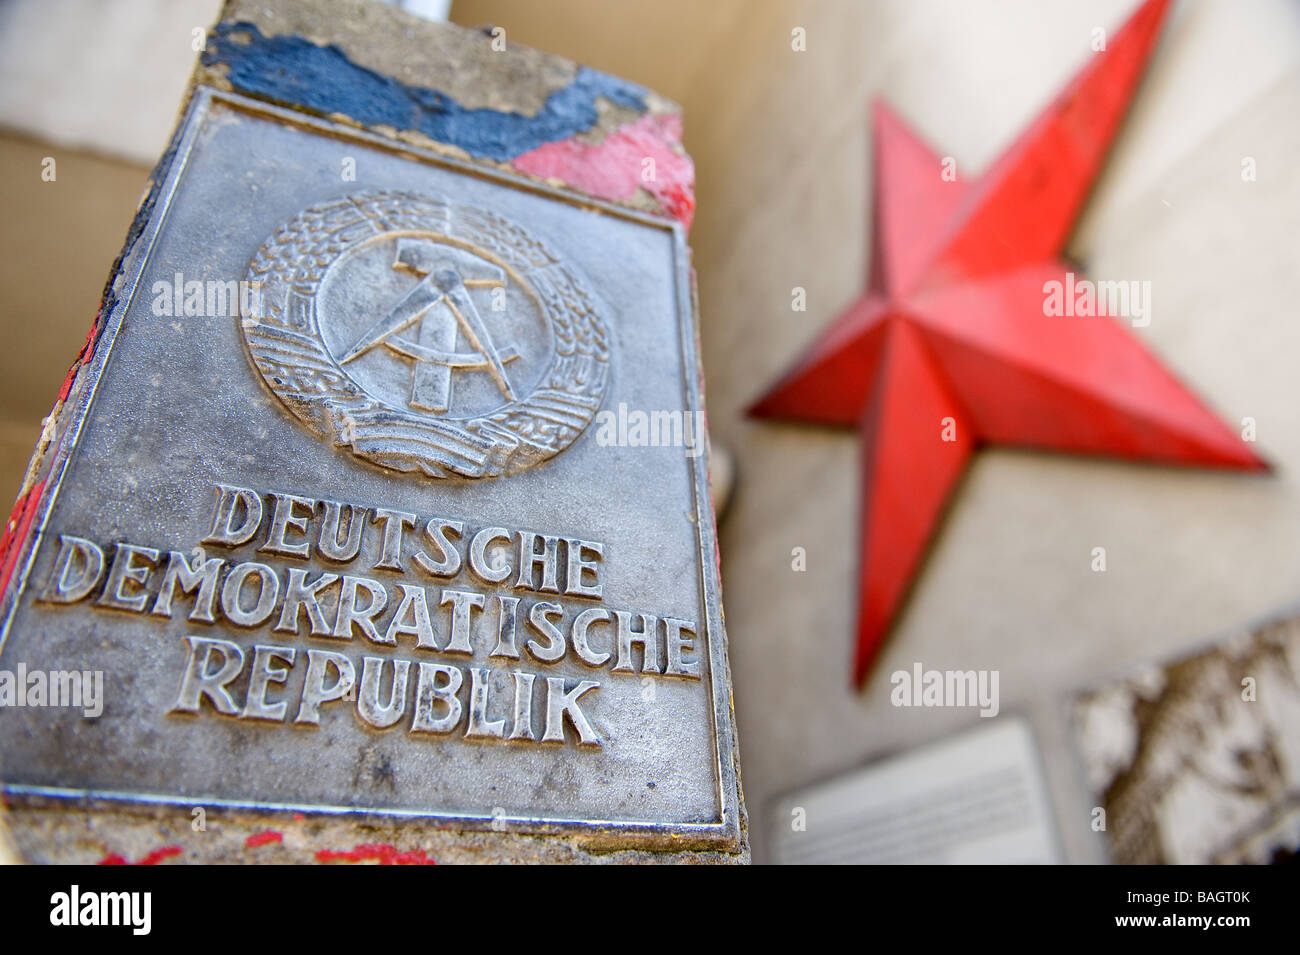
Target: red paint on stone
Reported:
point(24, 509)
point(153, 858)
point(15, 532)
point(265, 837)
point(82, 357)
point(382, 853)
point(613, 169)
point(158, 855)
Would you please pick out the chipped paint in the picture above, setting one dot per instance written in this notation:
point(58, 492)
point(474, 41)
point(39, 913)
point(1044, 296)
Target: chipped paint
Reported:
point(15, 532)
point(291, 70)
point(265, 837)
point(645, 154)
point(29, 496)
point(82, 357)
point(381, 853)
point(152, 858)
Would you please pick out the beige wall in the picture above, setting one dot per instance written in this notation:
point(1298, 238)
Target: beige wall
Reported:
point(781, 147)
point(56, 246)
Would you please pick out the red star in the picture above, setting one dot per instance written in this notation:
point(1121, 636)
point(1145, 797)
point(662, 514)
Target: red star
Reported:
point(950, 346)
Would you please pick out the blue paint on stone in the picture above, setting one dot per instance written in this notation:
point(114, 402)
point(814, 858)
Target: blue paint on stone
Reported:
point(289, 69)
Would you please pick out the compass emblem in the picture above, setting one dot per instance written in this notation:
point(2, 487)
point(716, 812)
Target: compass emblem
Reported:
point(442, 287)
point(426, 336)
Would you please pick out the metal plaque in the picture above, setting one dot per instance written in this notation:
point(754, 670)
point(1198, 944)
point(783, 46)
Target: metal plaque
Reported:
point(385, 494)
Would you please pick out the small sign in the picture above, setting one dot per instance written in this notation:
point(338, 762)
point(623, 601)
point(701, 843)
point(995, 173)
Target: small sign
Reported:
point(388, 495)
point(980, 797)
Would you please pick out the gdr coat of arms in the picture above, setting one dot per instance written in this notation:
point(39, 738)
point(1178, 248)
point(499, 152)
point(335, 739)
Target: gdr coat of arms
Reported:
point(425, 335)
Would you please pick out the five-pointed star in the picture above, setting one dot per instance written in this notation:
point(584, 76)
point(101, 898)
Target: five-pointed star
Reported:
point(950, 347)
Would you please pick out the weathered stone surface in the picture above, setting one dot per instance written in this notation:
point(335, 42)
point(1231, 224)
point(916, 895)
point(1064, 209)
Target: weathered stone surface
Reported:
point(463, 92)
point(129, 490)
point(56, 834)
